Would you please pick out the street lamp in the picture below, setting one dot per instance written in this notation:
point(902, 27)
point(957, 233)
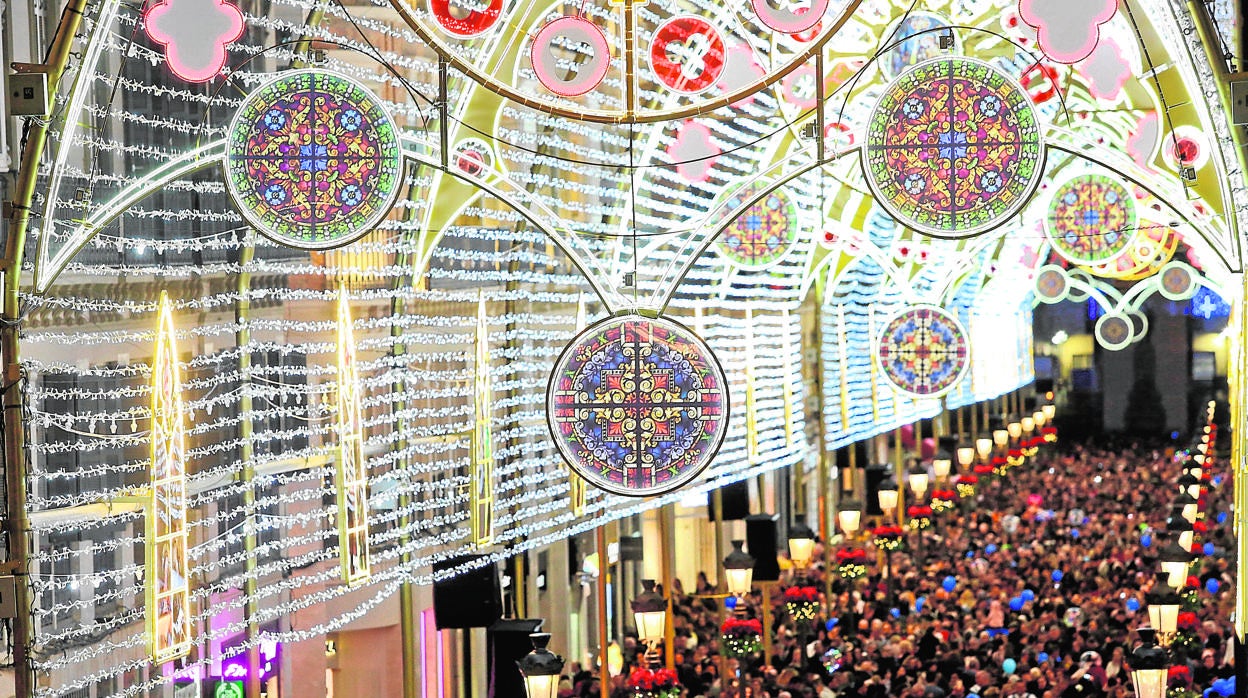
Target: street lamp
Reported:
point(966, 456)
point(1190, 506)
point(650, 614)
point(1050, 411)
point(1174, 562)
point(801, 544)
point(1015, 430)
point(738, 571)
point(941, 465)
point(887, 494)
point(1163, 610)
point(541, 668)
point(1000, 437)
point(1028, 424)
point(919, 481)
point(1039, 418)
point(1178, 525)
point(1189, 483)
point(1148, 667)
point(850, 517)
point(984, 448)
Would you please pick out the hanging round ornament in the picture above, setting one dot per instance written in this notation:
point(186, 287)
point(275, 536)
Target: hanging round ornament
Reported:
point(638, 406)
point(463, 19)
point(313, 160)
point(570, 56)
point(1091, 220)
point(923, 351)
point(788, 17)
point(953, 148)
point(1052, 284)
point(1114, 331)
point(1177, 281)
point(687, 54)
point(760, 235)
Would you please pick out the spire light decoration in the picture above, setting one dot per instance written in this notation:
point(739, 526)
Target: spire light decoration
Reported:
point(352, 473)
point(168, 590)
point(482, 479)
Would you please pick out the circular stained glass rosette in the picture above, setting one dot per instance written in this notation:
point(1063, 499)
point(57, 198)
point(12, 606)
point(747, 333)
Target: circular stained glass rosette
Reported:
point(637, 406)
point(762, 234)
point(1091, 220)
point(954, 148)
point(313, 160)
point(923, 351)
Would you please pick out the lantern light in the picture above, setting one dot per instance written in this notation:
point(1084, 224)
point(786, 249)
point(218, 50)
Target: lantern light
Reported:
point(984, 448)
point(850, 517)
point(919, 480)
point(541, 668)
point(650, 614)
point(801, 544)
point(1149, 671)
point(738, 570)
point(966, 456)
point(887, 494)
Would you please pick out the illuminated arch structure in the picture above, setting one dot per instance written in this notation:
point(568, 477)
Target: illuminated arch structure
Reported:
point(722, 146)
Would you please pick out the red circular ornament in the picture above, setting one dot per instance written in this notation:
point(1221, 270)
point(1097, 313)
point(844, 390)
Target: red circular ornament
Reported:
point(687, 54)
point(458, 19)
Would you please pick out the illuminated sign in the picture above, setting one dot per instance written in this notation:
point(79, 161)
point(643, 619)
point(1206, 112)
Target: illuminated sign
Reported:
point(229, 689)
point(352, 475)
point(168, 591)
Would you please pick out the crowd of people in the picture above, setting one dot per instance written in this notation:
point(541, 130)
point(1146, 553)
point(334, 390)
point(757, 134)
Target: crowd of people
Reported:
point(1033, 588)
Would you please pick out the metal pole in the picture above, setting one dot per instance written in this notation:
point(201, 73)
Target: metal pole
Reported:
point(900, 478)
point(16, 523)
point(247, 477)
point(604, 671)
point(407, 596)
point(669, 630)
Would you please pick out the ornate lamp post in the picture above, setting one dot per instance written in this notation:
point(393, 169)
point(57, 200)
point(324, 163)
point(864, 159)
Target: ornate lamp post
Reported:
point(650, 614)
point(541, 668)
point(801, 545)
point(887, 494)
point(1190, 506)
point(983, 447)
point(919, 480)
point(1181, 527)
point(1174, 562)
point(738, 574)
point(966, 457)
point(942, 465)
point(850, 517)
point(1163, 610)
point(1189, 483)
point(1148, 667)
point(1001, 439)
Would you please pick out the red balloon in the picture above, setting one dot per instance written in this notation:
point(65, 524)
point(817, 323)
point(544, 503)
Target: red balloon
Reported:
point(907, 436)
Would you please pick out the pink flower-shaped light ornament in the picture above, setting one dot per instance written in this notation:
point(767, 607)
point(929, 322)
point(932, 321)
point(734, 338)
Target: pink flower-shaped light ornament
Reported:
point(1067, 30)
point(194, 34)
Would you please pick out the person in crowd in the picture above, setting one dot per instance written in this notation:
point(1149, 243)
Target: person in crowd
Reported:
point(1048, 569)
